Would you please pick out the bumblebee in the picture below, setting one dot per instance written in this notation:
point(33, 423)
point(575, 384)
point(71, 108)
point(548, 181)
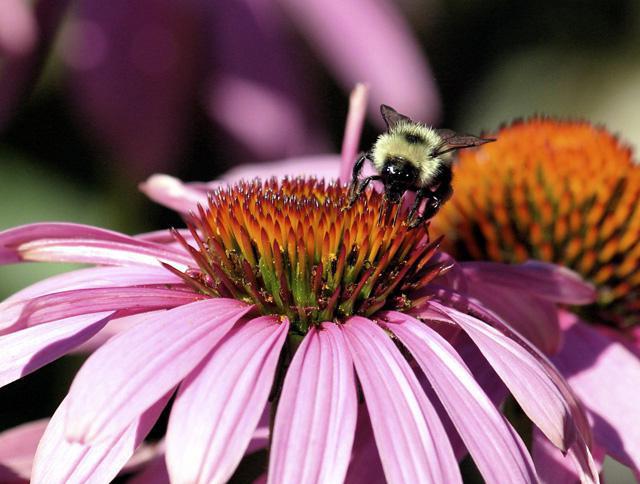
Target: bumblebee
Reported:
point(411, 156)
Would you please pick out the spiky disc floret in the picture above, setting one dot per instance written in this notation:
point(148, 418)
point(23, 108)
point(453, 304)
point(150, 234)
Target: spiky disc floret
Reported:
point(414, 142)
point(559, 191)
point(290, 248)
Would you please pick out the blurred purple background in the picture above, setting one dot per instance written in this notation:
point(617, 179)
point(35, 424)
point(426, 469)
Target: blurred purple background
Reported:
point(136, 75)
point(104, 94)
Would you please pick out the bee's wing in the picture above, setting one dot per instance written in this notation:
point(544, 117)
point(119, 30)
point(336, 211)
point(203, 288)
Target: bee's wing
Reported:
point(391, 116)
point(455, 141)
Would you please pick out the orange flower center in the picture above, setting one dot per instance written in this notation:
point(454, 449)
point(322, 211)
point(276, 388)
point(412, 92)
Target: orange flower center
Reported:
point(565, 192)
point(292, 248)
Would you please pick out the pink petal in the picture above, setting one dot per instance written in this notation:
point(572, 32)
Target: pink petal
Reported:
point(412, 442)
point(17, 448)
point(553, 466)
point(173, 193)
point(634, 334)
point(523, 374)
point(115, 326)
point(320, 166)
point(65, 242)
point(220, 403)
point(548, 281)
point(534, 382)
point(534, 318)
point(183, 197)
point(365, 466)
point(58, 460)
point(18, 28)
point(583, 461)
point(578, 426)
point(95, 277)
point(316, 416)
point(454, 278)
point(143, 456)
point(606, 377)
point(475, 308)
point(482, 372)
point(499, 453)
point(280, 130)
point(52, 307)
point(137, 367)
point(353, 130)
point(260, 438)
point(27, 350)
point(459, 449)
point(629, 337)
point(164, 236)
point(154, 473)
point(374, 46)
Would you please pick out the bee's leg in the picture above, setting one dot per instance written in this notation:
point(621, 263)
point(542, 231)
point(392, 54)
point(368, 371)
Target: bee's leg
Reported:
point(435, 199)
point(444, 190)
point(357, 167)
point(430, 208)
point(434, 202)
point(355, 173)
point(441, 194)
point(420, 196)
point(361, 187)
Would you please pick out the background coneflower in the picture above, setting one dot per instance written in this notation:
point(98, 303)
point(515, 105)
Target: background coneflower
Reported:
point(565, 192)
point(560, 191)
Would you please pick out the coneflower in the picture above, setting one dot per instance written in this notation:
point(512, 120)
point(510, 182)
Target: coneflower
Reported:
point(565, 192)
point(559, 191)
point(343, 328)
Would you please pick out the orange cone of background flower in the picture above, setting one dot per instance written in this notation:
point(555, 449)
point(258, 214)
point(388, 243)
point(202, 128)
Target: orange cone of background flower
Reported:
point(563, 192)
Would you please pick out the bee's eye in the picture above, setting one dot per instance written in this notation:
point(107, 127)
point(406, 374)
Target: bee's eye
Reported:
point(407, 173)
point(413, 139)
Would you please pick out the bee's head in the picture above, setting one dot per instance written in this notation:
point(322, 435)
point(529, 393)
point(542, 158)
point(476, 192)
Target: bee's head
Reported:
point(398, 175)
